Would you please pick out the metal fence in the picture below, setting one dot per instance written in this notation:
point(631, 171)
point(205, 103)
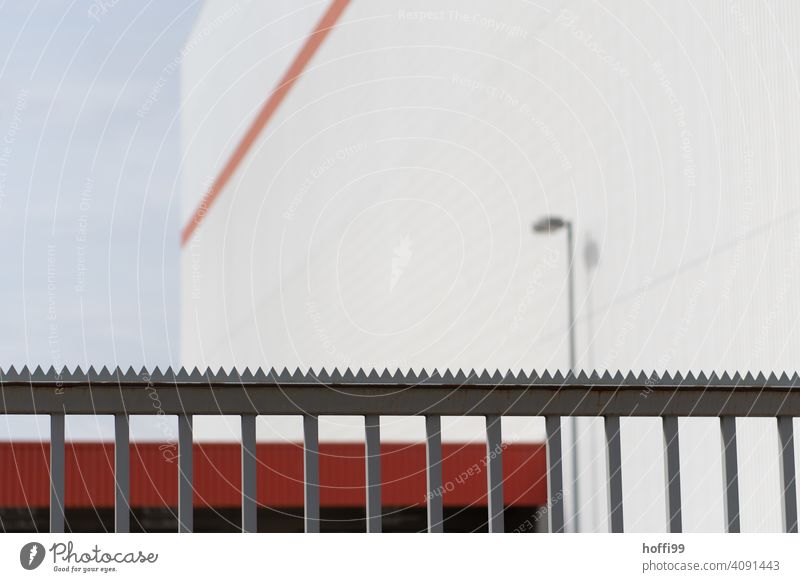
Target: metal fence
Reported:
point(371, 395)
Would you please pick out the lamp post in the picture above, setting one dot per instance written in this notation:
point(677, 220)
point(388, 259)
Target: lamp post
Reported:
point(549, 225)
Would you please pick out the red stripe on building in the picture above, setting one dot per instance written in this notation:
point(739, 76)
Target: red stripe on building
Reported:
point(89, 479)
point(293, 73)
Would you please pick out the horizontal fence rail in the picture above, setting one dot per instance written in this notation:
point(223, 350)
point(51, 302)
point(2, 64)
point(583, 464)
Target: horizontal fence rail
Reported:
point(373, 394)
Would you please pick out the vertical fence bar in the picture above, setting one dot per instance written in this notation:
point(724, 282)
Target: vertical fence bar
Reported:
point(672, 462)
point(730, 473)
point(185, 490)
point(788, 475)
point(555, 476)
point(433, 449)
point(122, 471)
point(56, 473)
point(372, 427)
point(494, 473)
point(311, 472)
point(249, 491)
point(614, 456)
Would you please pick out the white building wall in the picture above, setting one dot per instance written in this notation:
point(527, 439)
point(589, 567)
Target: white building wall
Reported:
point(383, 217)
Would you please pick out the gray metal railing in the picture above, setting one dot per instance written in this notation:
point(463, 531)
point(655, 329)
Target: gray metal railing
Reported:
point(122, 394)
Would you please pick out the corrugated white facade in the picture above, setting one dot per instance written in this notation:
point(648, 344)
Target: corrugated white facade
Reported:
point(382, 217)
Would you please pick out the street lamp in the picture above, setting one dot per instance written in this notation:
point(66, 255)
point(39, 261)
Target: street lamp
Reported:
point(550, 225)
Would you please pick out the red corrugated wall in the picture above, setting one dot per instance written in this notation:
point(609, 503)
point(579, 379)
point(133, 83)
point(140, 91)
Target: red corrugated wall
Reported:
point(217, 472)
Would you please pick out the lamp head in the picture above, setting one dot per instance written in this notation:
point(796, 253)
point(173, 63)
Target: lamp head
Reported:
point(548, 224)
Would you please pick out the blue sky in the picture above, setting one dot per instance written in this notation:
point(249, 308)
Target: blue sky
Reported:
point(89, 181)
point(89, 151)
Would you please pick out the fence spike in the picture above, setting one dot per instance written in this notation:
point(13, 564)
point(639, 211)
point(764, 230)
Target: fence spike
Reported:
point(494, 377)
point(509, 378)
